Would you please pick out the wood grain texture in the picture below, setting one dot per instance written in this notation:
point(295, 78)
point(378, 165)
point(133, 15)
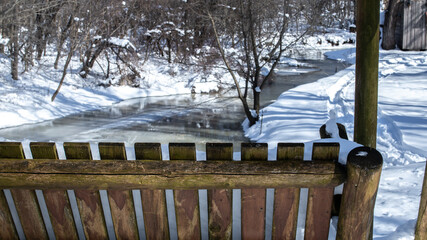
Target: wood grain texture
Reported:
point(219, 151)
point(405, 28)
point(421, 227)
point(155, 214)
point(186, 201)
point(121, 201)
point(318, 213)
point(253, 200)
point(148, 151)
point(25, 200)
point(110, 174)
point(254, 151)
point(366, 84)
point(57, 201)
point(220, 200)
point(415, 25)
point(286, 200)
point(359, 194)
point(290, 151)
point(153, 201)
point(88, 201)
point(7, 227)
point(319, 203)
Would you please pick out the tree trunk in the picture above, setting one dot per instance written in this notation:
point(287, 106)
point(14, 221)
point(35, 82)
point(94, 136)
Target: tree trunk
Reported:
point(389, 41)
point(257, 95)
point(15, 52)
point(168, 41)
point(64, 34)
point(64, 72)
point(252, 119)
point(39, 35)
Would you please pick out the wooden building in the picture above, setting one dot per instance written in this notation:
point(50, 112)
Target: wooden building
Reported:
point(411, 32)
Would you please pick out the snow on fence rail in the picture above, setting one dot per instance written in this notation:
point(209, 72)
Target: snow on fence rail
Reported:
point(219, 175)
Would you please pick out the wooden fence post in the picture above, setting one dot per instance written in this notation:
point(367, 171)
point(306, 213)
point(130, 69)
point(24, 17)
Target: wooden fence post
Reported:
point(367, 54)
point(356, 212)
point(421, 229)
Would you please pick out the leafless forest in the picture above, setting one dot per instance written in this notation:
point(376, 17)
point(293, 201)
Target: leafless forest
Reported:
point(126, 33)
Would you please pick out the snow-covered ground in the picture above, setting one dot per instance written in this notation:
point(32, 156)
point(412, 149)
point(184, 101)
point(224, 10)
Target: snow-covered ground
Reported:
point(28, 100)
point(402, 129)
point(295, 117)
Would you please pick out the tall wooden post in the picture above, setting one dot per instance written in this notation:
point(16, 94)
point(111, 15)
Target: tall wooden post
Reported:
point(367, 54)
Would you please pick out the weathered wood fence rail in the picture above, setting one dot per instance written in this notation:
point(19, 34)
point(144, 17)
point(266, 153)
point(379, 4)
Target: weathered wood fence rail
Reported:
point(219, 175)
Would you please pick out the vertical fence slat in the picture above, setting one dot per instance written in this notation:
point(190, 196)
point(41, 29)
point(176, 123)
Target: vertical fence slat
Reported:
point(57, 201)
point(153, 201)
point(319, 204)
point(121, 201)
point(186, 201)
point(356, 215)
point(220, 200)
point(88, 201)
point(7, 228)
point(253, 200)
point(286, 200)
point(26, 203)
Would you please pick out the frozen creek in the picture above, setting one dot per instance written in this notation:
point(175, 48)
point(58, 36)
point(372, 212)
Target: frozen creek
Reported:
point(196, 118)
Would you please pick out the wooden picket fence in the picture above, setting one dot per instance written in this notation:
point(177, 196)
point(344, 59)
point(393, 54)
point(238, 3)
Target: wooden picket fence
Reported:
point(219, 175)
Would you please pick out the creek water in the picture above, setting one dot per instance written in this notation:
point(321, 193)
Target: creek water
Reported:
point(196, 118)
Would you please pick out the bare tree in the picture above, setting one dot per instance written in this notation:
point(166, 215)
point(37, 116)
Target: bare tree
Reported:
point(262, 44)
point(27, 24)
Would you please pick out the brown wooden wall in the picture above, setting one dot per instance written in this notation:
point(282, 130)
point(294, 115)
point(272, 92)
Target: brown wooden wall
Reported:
point(414, 35)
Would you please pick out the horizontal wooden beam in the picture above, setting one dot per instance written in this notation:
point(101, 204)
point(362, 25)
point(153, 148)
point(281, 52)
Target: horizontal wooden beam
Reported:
point(112, 174)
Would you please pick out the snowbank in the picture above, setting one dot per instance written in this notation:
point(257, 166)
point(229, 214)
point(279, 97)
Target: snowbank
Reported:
point(28, 99)
point(402, 128)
